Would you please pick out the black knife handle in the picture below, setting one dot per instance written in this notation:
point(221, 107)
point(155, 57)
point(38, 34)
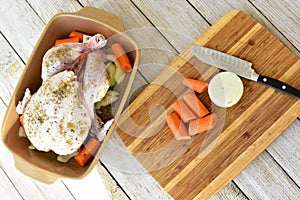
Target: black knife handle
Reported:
point(283, 87)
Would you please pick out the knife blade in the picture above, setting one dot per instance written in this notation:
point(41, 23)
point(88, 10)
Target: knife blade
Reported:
point(240, 67)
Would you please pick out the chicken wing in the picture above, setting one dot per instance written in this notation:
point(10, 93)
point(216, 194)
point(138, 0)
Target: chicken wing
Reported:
point(67, 56)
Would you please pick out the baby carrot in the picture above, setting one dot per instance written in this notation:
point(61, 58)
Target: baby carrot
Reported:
point(121, 57)
point(87, 151)
point(202, 125)
point(77, 34)
point(21, 118)
point(66, 40)
point(177, 127)
point(195, 104)
point(196, 85)
point(183, 111)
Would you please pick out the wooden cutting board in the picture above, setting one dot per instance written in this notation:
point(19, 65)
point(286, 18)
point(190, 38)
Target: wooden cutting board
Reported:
point(199, 167)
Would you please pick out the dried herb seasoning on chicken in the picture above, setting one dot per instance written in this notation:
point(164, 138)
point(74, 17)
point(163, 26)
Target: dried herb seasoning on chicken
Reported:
point(60, 115)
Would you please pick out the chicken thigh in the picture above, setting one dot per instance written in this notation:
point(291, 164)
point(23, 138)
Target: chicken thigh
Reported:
point(55, 118)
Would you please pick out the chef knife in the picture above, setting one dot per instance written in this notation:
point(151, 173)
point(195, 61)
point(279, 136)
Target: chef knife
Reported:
point(240, 67)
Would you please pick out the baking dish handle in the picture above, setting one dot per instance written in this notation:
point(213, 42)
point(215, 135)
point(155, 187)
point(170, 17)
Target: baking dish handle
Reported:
point(101, 16)
point(34, 172)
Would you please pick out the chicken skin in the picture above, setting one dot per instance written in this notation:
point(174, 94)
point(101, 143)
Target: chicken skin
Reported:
point(94, 81)
point(68, 56)
point(95, 85)
point(55, 118)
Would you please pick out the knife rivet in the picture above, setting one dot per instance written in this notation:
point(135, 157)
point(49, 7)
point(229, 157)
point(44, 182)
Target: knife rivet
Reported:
point(264, 79)
point(284, 87)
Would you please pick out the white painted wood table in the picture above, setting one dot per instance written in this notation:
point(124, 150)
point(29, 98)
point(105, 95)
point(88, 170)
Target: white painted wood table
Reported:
point(162, 30)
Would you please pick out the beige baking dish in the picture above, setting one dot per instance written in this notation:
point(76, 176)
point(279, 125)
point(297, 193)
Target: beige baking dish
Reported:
point(40, 165)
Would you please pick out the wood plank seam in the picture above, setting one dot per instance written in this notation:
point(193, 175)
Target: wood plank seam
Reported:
point(15, 187)
point(282, 168)
point(275, 27)
point(113, 178)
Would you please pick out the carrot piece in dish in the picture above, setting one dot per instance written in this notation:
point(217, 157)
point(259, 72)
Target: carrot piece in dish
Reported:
point(66, 40)
point(78, 34)
point(87, 151)
point(21, 118)
point(121, 57)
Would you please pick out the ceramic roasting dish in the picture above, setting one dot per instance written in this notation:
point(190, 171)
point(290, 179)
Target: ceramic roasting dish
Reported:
point(41, 165)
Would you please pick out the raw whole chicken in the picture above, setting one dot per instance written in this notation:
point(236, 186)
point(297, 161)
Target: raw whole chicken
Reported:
point(60, 115)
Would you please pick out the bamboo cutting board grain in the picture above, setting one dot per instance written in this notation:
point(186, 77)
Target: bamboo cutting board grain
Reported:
point(197, 168)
